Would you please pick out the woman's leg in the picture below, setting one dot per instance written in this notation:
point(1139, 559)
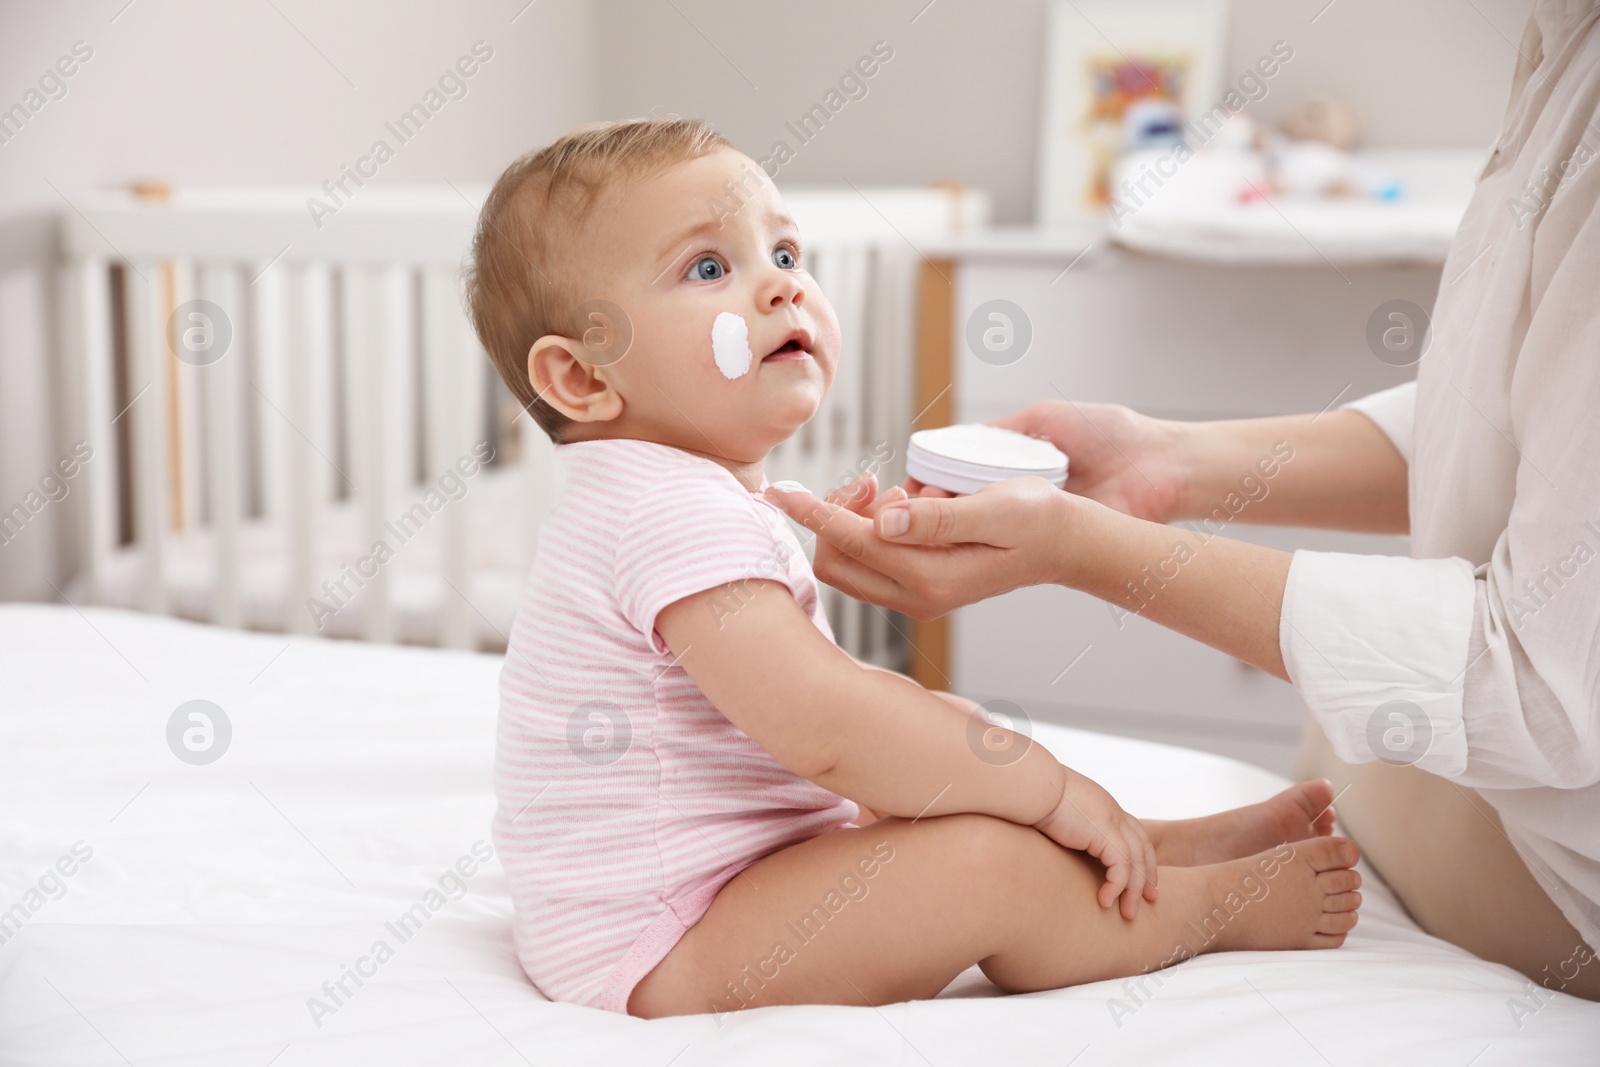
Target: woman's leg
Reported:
point(1442, 850)
point(896, 910)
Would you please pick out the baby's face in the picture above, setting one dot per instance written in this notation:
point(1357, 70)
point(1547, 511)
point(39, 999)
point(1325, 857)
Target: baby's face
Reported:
point(705, 249)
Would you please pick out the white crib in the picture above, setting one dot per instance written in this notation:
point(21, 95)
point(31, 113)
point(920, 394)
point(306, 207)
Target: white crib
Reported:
point(254, 491)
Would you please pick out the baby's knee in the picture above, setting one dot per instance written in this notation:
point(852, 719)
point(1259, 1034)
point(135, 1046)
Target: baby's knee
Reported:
point(1007, 856)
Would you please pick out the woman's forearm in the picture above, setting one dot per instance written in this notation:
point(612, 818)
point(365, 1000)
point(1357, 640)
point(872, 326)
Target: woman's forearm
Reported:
point(1225, 593)
point(1334, 471)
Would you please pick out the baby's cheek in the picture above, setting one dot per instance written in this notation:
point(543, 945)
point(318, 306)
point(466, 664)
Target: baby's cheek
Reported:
point(832, 340)
point(823, 318)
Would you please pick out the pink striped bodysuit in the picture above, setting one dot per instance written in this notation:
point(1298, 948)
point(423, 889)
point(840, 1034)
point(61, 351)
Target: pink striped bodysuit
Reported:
point(625, 800)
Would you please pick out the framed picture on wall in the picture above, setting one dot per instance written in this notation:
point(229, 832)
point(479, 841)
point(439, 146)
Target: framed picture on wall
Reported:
point(1103, 57)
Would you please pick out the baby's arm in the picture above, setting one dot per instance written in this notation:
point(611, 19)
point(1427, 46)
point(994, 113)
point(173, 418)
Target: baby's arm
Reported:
point(877, 735)
point(961, 702)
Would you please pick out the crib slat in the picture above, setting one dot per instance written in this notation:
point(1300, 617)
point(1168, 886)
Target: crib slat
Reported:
point(148, 378)
point(893, 340)
point(448, 391)
point(390, 389)
point(92, 343)
point(368, 385)
point(306, 351)
point(398, 324)
point(277, 324)
point(845, 427)
point(187, 415)
point(321, 421)
point(221, 401)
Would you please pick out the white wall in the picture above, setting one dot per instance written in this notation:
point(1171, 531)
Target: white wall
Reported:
point(238, 94)
point(959, 100)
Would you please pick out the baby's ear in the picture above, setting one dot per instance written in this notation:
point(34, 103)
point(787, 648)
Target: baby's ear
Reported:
point(570, 383)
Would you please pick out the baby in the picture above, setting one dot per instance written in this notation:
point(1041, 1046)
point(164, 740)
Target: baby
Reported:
point(705, 804)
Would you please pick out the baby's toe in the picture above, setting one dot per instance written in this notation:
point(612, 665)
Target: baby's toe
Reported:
point(1330, 853)
point(1313, 797)
point(1339, 880)
point(1323, 824)
point(1341, 902)
point(1337, 923)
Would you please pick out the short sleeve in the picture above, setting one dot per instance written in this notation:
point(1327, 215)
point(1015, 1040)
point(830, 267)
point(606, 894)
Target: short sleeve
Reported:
point(1393, 411)
point(695, 529)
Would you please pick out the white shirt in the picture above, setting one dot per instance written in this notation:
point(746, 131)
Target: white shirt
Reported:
point(1492, 629)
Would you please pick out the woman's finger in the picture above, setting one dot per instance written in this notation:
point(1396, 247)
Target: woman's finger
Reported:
point(839, 526)
point(861, 581)
point(891, 495)
point(932, 521)
point(1030, 420)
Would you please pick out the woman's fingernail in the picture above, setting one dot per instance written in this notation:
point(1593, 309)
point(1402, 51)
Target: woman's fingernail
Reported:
point(788, 487)
point(896, 521)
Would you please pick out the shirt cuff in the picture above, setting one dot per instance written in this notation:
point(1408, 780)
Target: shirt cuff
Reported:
point(1393, 411)
point(1377, 647)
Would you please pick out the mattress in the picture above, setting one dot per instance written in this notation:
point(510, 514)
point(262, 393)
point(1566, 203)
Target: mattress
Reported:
point(210, 905)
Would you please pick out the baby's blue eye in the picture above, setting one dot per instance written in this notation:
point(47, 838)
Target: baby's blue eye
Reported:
point(784, 259)
point(708, 269)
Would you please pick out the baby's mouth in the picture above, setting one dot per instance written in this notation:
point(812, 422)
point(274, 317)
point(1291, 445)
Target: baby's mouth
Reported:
point(798, 342)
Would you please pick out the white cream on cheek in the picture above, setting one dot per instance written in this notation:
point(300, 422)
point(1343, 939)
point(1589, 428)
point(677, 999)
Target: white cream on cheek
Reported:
point(730, 345)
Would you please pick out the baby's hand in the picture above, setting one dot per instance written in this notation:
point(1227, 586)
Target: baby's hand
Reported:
point(1089, 820)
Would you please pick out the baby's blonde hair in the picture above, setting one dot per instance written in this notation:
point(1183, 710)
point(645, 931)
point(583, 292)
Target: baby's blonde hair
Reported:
point(521, 284)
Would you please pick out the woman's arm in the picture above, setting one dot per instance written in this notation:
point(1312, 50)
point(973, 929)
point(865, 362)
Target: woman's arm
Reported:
point(1225, 593)
point(1024, 531)
point(1335, 471)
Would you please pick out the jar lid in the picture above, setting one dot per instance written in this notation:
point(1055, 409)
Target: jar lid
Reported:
point(966, 457)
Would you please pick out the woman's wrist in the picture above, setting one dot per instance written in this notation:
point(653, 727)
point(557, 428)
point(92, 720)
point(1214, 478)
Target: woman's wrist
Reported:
point(1083, 532)
point(1192, 450)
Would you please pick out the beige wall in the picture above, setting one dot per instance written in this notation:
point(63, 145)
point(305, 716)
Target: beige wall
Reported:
point(960, 97)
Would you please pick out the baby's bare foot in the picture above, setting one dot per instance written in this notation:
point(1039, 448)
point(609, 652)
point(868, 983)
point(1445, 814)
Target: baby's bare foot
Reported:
point(1300, 895)
point(1299, 812)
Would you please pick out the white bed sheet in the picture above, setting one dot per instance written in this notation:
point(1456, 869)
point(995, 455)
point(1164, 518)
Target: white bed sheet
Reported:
point(218, 899)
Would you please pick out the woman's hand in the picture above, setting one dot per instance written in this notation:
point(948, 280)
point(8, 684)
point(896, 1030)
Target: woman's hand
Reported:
point(1005, 536)
point(1127, 461)
point(1090, 820)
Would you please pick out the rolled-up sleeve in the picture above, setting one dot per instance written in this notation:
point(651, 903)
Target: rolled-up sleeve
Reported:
point(1394, 410)
point(1377, 647)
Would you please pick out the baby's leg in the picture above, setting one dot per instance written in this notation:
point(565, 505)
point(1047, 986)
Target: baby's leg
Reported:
point(806, 925)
